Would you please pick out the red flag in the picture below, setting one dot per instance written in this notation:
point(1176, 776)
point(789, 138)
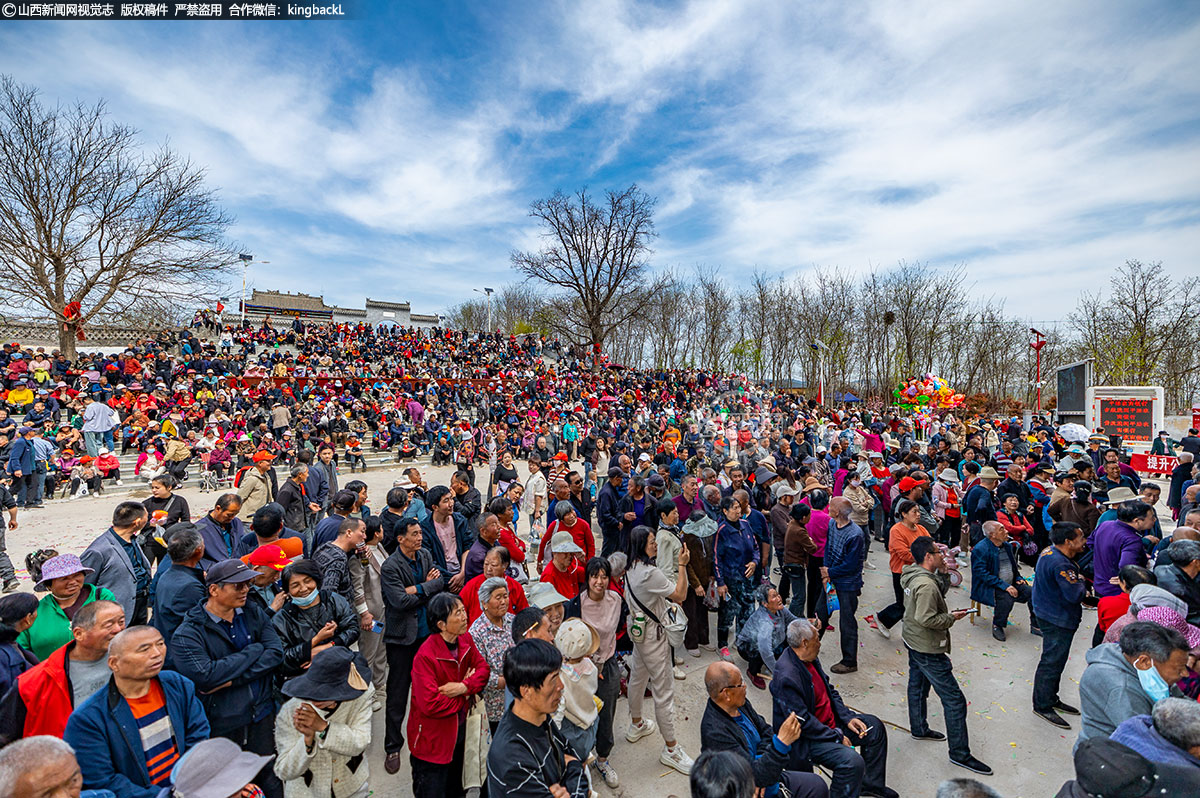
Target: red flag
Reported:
point(220, 306)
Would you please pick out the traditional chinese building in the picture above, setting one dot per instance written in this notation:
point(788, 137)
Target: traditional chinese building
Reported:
point(286, 305)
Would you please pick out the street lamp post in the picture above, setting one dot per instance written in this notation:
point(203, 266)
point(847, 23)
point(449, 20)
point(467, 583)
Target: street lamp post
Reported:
point(821, 348)
point(489, 292)
point(246, 260)
point(1036, 346)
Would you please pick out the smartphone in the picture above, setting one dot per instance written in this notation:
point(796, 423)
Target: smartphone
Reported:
point(972, 611)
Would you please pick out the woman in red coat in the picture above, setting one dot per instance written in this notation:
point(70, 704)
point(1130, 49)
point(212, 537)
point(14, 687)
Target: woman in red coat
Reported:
point(1018, 526)
point(447, 673)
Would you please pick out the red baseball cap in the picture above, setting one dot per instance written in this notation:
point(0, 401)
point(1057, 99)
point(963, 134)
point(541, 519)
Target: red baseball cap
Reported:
point(264, 455)
point(268, 554)
point(908, 483)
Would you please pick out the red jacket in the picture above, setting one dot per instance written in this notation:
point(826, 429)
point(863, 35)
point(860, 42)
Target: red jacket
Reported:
point(46, 693)
point(433, 718)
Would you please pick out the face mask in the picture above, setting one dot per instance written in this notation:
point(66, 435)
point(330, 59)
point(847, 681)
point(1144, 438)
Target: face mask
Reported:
point(307, 600)
point(1153, 683)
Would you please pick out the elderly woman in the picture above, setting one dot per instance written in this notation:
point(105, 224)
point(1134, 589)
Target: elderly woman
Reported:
point(64, 577)
point(492, 634)
point(495, 564)
point(312, 620)
point(447, 671)
point(647, 591)
point(763, 637)
point(324, 728)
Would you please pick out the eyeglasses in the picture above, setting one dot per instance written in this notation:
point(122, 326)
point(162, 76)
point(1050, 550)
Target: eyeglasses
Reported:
point(735, 686)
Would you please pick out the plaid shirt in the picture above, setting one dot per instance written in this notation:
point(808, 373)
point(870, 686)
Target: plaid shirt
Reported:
point(493, 641)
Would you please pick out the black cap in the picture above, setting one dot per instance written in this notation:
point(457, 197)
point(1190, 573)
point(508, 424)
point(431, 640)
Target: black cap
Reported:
point(1061, 475)
point(230, 572)
point(1107, 769)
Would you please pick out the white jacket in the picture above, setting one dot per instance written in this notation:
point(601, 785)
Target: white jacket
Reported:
point(337, 764)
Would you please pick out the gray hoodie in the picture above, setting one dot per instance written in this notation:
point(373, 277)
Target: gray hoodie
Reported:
point(1110, 693)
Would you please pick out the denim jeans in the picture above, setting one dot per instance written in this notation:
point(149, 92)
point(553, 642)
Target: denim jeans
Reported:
point(1056, 646)
point(936, 671)
point(796, 578)
point(848, 625)
point(1004, 605)
point(92, 442)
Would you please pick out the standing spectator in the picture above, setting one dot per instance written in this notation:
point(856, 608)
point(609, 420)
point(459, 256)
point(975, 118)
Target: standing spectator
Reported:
point(229, 649)
point(293, 498)
point(180, 587)
point(20, 467)
point(492, 635)
point(323, 729)
point(996, 577)
point(64, 577)
point(8, 574)
point(312, 620)
point(1118, 543)
point(365, 573)
point(447, 671)
point(256, 487)
point(927, 622)
point(408, 580)
point(845, 553)
point(564, 572)
point(145, 703)
point(735, 566)
point(1058, 589)
point(1126, 678)
point(647, 592)
point(118, 563)
point(46, 694)
point(446, 535)
point(608, 513)
point(17, 614)
point(978, 503)
point(333, 558)
point(97, 425)
point(166, 509)
point(224, 532)
point(468, 502)
point(900, 539)
point(529, 757)
point(798, 546)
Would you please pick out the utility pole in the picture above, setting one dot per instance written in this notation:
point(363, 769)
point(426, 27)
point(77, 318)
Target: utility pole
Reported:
point(246, 260)
point(489, 292)
point(821, 348)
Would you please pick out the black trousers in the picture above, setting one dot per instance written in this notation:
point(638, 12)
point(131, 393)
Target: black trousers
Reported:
point(697, 615)
point(430, 780)
point(259, 738)
point(400, 658)
point(141, 613)
point(890, 615)
point(608, 690)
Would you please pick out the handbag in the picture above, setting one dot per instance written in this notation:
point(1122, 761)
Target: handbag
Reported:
point(712, 599)
point(675, 625)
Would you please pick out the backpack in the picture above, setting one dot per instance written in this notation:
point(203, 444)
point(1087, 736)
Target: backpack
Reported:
point(34, 560)
point(241, 472)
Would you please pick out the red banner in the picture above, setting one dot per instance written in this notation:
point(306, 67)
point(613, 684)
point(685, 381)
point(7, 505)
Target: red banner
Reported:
point(1153, 463)
point(1195, 416)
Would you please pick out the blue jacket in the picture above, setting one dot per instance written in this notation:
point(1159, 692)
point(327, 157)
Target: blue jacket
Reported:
point(20, 456)
point(985, 570)
point(317, 486)
point(845, 551)
point(107, 743)
point(1058, 589)
point(215, 549)
point(978, 506)
point(433, 544)
point(1139, 734)
point(203, 651)
point(736, 546)
point(180, 588)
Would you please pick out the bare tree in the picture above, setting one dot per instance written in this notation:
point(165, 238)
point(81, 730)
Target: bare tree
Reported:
point(595, 255)
point(86, 217)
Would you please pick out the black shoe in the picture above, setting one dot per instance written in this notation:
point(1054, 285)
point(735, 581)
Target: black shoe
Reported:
point(879, 792)
point(1066, 708)
point(936, 736)
point(1053, 718)
point(840, 668)
point(11, 584)
point(972, 764)
point(998, 633)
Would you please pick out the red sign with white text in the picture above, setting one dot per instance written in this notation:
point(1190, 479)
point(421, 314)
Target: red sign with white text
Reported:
point(1153, 463)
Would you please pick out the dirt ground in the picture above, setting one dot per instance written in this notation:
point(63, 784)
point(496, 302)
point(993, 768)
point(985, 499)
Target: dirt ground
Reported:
point(1031, 759)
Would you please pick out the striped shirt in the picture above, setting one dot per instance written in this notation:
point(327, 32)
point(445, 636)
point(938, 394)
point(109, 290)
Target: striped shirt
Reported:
point(154, 726)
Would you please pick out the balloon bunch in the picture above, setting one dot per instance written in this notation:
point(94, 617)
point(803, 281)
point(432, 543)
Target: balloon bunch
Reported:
point(926, 392)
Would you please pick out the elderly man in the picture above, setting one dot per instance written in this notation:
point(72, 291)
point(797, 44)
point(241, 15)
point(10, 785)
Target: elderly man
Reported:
point(1169, 735)
point(40, 767)
point(256, 487)
point(978, 504)
point(731, 724)
point(829, 730)
point(1177, 573)
point(293, 498)
point(845, 553)
point(145, 703)
point(222, 530)
point(1118, 543)
point(996, 578)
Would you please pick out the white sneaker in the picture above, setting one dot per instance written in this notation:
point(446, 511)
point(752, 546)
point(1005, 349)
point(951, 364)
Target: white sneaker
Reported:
point(709, 646)
point(120, 482)
point(638, 731)
point(606, 771)
point(870, 566)
point(678, 673)
point(677, 759)
point(695, 652)
point(678, 660)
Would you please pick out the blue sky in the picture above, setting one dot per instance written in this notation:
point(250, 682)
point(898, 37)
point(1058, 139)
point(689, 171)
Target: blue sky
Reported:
point(1037, 144)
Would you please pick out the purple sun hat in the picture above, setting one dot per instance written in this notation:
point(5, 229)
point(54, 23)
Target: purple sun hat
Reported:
point(60, 566)
point(1165, 616)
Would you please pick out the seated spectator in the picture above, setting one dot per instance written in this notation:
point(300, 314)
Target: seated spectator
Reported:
point(996, 577)
point(312, 619)
point(731, 723)
point(1126, 678)
point(195, 775)
point(1112, 607)
point(323, 729)
point(1140, 598)
point(722, 774)
point(142, 702)
point(1178, 573)
point(764, 635)
point(1105, 768)
point(829, 730)
point(1170, 734)
point(63, 576)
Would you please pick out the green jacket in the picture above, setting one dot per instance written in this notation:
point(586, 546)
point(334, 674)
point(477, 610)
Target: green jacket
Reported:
point(51, 629)
point(927, 619)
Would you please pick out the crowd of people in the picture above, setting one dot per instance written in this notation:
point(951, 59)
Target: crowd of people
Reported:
point(498, 622)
